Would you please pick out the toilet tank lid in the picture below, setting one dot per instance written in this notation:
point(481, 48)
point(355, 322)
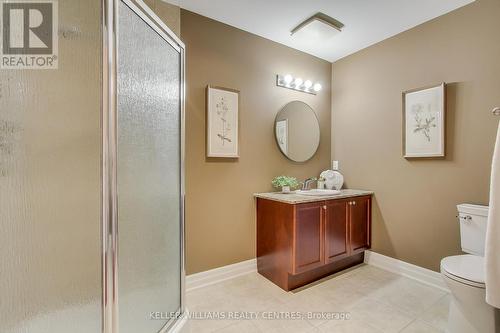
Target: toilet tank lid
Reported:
point(471, 209)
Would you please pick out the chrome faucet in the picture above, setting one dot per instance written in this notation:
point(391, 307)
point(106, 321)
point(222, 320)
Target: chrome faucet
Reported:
point(305, 185)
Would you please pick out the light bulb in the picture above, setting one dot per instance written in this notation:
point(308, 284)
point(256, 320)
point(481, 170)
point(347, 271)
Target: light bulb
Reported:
point(317, 87)
point(308, 84)
point(288, 79)
point(298, 81)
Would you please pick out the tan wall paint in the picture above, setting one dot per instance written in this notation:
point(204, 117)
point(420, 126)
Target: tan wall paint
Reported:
point(220, 208)
point(414, 211)
point(168, 13)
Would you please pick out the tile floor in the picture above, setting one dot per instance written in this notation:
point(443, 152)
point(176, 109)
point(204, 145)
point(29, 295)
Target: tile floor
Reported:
point(373, 299)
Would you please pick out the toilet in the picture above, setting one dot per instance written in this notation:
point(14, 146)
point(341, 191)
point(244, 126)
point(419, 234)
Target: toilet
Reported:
point(464, 275)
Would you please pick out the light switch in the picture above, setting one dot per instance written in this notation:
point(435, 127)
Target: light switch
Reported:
point(335, 165)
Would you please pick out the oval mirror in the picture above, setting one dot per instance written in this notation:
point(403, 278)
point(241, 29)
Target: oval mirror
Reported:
point(297, 131)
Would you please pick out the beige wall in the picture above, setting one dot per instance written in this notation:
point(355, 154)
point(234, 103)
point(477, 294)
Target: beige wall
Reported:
point(415, 200)
point(219, 210)
point(168, 13)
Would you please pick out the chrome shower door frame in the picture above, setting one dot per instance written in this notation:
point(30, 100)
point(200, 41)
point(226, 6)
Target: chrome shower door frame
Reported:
point(109, 157)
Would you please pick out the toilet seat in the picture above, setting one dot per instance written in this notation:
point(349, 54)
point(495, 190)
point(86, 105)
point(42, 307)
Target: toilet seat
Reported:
point(467, 269)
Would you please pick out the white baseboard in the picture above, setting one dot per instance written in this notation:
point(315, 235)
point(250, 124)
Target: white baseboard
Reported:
point(408, 270)
point(216, 275)
point(203, 279)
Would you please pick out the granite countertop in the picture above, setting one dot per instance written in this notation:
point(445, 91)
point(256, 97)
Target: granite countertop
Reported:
point(293, 198)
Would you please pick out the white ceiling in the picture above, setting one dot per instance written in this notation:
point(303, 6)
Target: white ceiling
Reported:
point(366, 21)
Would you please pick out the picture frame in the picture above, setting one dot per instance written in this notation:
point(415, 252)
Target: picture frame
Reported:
point(281, 130)
point(424, 122)
point(222, 122)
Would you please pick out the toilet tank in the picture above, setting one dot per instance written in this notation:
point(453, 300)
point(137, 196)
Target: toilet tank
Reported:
point(473, 220)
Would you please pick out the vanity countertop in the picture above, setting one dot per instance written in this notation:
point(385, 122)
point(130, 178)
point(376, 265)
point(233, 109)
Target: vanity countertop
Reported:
point(293, 198)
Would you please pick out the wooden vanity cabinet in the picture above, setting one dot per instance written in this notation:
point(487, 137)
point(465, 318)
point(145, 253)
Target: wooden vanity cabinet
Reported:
point(308, 242)
point(360, 225)
point(336, 217)
point(300, 243)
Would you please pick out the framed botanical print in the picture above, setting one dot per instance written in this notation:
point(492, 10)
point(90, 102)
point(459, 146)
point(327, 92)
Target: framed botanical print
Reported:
point(222, 122)
point(424, 122)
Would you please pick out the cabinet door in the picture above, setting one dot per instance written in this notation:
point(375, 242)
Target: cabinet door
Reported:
point(360, 224)
point(308, 249)
point(336, 230)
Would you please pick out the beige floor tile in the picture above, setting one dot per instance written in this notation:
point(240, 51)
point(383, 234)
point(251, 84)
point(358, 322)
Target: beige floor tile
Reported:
point(284, 326)
point(254, 282)
point(340, 291)
point(244, 326)
point(245, 293)
point(252, 299)
point(340, 294)
point(314, 307)
point(408, 295)
point(382, 316)
point(296, 295)
point(271, 320)
point(366, 282)
point(376, 273)
point(375, 300)
point(333, 284)
point(348, 326)
point(208, 326)
point(419, 326)
point(437, 315)
point(213, 302)
point(205, 301)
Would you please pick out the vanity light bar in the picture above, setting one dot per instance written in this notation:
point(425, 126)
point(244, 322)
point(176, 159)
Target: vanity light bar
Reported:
point(289, 82)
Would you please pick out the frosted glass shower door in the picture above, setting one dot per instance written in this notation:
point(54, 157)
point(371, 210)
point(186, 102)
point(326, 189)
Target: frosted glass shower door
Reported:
point(148, 173)
point(50, 183)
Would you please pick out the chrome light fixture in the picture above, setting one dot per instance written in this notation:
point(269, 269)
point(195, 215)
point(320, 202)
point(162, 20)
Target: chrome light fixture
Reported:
point(290, 82)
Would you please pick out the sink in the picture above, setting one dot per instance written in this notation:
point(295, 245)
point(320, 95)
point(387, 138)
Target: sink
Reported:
point(317, 192)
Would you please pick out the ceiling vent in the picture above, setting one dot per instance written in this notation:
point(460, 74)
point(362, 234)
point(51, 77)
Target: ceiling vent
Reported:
point(319, 27)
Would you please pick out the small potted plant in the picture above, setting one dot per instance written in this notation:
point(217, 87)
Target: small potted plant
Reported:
point(285, 183)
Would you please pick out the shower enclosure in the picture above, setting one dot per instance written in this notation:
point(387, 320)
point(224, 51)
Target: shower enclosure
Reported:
point(91, 178)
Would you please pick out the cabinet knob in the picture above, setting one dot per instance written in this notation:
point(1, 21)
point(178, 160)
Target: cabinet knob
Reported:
point(324, 207)
point(354, 203)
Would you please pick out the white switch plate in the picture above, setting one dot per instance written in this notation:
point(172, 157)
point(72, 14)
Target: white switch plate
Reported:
point(335, 165)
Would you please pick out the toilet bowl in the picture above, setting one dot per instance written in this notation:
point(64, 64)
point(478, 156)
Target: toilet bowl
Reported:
point(469, 312)
point(464, 275)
